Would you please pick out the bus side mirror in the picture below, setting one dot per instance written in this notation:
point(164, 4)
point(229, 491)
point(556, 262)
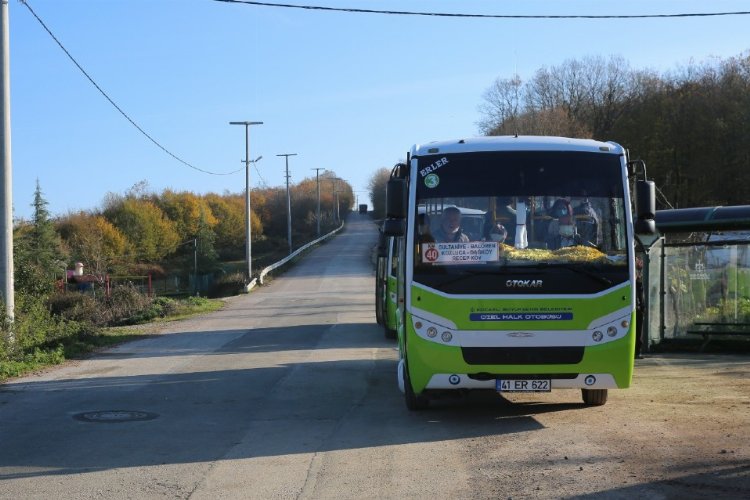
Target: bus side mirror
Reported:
point(645, 207)
point(395, 199)
point(382, 246)
point(394, 227)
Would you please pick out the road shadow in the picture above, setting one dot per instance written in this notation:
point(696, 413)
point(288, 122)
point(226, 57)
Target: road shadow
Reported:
point(257, 340)
point(204, 416)
point(723, 481)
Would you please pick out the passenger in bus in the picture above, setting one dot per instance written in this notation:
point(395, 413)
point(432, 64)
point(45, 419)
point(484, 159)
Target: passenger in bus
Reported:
point(506, 215)
point(450, 227)
point(562, 230)
point(587, 223)
point(424, 231)
point(493, 230)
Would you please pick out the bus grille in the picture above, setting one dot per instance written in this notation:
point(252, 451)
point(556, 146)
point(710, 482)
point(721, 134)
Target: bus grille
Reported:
point(522, 355)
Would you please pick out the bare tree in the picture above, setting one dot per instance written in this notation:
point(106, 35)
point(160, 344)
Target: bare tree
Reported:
point(579, 98)
point(502, 104)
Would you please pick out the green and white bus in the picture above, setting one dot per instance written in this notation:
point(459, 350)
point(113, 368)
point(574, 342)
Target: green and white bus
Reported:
point(540, 295)
point(386, 277)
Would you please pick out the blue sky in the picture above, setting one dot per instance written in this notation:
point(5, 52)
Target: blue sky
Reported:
point(346, 92)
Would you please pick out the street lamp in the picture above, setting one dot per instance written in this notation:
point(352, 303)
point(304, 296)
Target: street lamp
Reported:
point(248, 251)
point(288, 201)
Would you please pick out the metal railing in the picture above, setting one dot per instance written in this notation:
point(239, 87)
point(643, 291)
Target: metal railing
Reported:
point(289, 257)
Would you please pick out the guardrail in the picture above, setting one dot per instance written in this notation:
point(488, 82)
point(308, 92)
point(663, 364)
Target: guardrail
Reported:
point(289, 257)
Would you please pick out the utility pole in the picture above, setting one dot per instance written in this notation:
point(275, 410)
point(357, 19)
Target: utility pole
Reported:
point(6, 235)
point(317, 180)
point(248, 251)
point(288, 201)
point(336, 195)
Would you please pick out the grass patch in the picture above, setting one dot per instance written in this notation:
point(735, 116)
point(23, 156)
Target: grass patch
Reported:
point(193, 306)
point(32, 361)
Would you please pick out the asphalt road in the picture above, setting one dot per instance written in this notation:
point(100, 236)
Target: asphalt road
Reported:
point(290, 392)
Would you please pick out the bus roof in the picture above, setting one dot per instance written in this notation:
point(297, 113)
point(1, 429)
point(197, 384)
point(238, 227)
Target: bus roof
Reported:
point(516, 143)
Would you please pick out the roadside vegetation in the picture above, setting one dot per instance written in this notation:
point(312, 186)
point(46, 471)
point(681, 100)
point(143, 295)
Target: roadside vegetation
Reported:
point(196, 243)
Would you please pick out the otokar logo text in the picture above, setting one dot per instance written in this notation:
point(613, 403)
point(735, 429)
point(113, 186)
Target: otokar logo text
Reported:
point(524, 283)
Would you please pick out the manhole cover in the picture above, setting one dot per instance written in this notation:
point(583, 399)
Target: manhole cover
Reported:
point(115, 416)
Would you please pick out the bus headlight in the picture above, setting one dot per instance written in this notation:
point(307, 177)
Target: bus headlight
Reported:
point(611, 331)
point(432, 332)
point(447, 336)
point(597, 336)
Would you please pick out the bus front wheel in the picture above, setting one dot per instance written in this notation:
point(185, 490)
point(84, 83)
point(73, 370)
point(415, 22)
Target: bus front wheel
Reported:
point(594, 397)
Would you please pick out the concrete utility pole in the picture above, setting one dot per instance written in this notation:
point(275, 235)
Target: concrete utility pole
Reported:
point(248, 251)
point(317, 180)
point(288, 201)
point(6, 235)
point(336, 198)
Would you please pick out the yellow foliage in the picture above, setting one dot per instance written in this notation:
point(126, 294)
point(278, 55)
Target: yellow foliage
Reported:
point(566, 254)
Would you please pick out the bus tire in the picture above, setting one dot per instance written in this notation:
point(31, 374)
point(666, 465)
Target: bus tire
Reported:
point(414, 402)
point(390, 334)
point(594, 397)
point(379, 303)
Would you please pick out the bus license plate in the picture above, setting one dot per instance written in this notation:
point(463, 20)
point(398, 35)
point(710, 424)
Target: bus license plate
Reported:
point(523, 385)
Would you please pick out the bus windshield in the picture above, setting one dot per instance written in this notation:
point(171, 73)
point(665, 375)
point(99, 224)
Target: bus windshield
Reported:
point(553, 219)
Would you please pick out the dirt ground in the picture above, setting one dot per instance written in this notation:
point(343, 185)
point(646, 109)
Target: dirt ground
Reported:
point(681, 431)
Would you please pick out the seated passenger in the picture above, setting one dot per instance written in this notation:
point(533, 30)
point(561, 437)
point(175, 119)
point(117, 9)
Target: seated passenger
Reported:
point(562, 230)
point(493, 230)
point(450, 227)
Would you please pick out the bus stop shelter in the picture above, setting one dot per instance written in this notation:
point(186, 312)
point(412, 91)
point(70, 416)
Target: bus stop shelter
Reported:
point(697, 274)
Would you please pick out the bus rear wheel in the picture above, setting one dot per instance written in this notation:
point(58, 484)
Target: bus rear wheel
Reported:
point(414, 402)
point(594, 397)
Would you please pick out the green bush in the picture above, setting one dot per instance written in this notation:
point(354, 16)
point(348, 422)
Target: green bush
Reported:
point(34, 329)
point(196, 301)
point(158, 308)
point(76, 306)
point(126, 305)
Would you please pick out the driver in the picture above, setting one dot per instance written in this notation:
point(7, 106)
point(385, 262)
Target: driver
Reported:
point(450, 227)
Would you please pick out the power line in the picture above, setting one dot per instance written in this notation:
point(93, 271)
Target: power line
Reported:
point(262, 180)
point(132, 122)
point(485, 16)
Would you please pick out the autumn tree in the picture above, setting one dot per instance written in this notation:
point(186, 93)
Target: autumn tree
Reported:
point(152, 235)
point(691, 128)
point(94, 241)
point(376, 186)
point(187, 211)
point(229, 211)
